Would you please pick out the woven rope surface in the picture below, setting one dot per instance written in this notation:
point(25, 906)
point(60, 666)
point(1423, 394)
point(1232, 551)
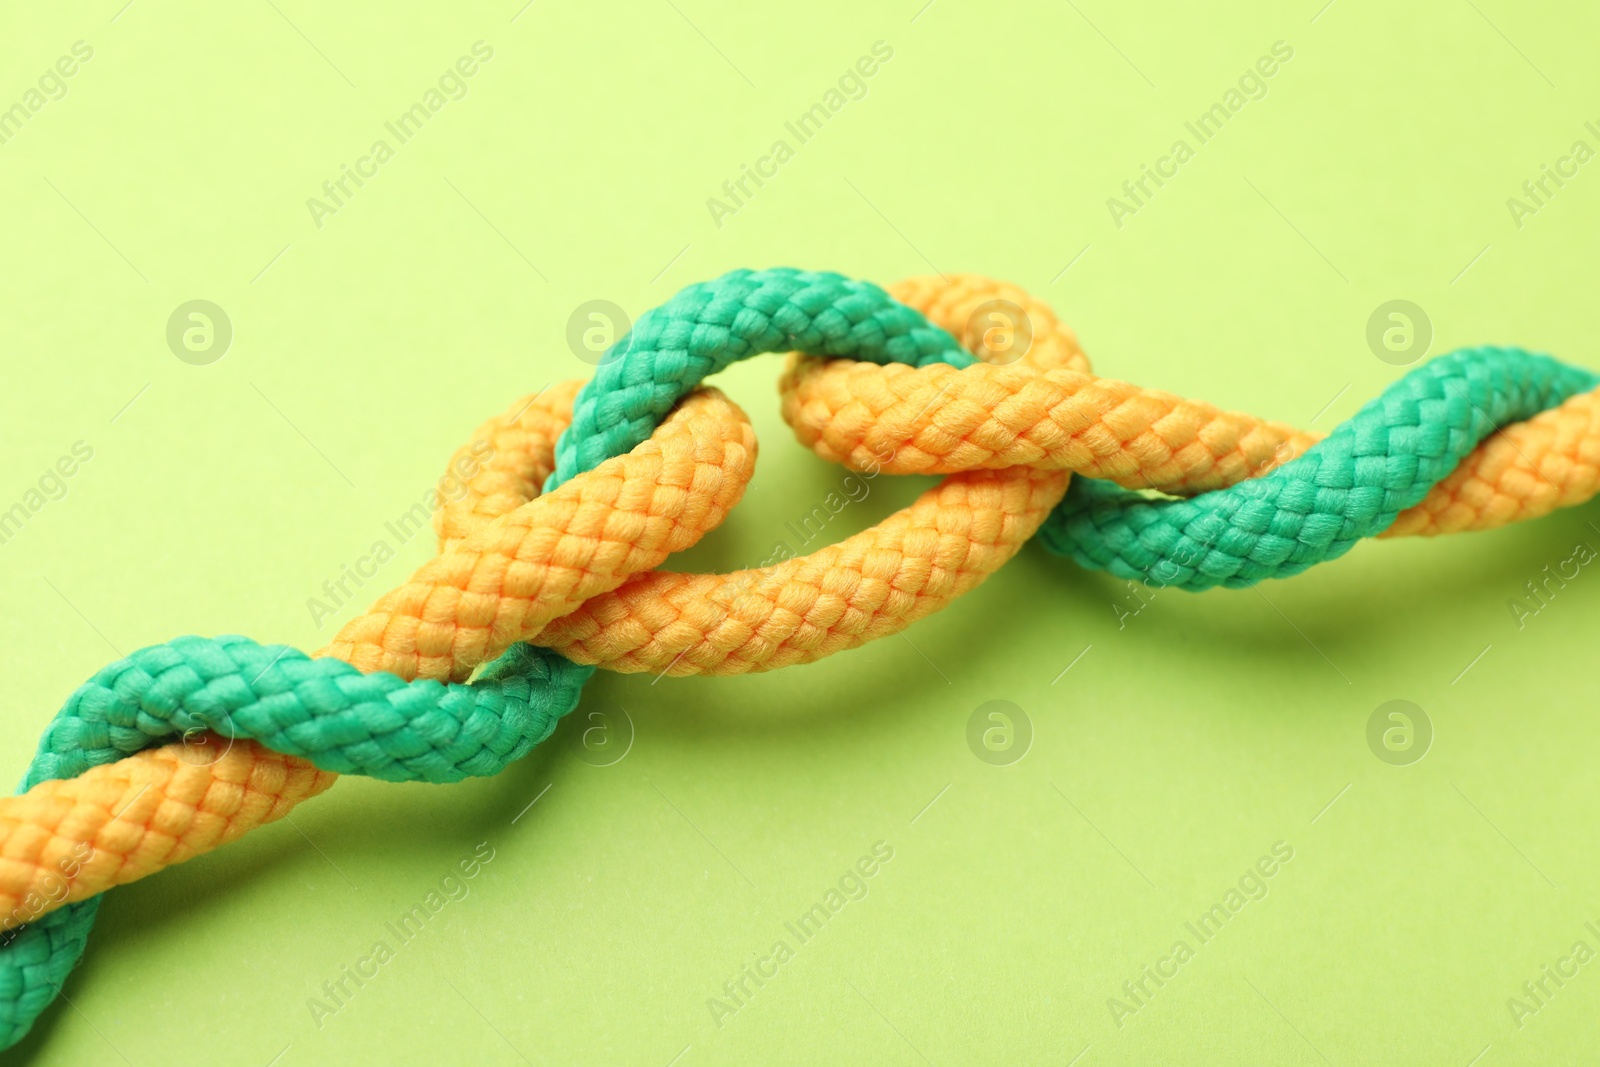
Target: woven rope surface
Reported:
point(1351, 485)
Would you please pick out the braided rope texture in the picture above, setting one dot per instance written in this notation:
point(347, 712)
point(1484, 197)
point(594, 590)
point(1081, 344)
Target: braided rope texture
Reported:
point(1351, 485)
point(573, 568)
point(1049, 413)
point(334, 718)
point(504, 580)
point(324, 711)
point(708, 326)
point(868, 586)
point(174, 807)
point(1525, 471)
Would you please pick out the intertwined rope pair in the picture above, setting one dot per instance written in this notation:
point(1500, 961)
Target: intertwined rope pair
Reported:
point(547, 564)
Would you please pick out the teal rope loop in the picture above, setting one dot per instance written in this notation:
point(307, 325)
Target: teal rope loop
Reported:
point(708, 326)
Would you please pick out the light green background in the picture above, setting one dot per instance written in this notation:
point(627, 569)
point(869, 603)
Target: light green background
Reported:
point(1174, 753)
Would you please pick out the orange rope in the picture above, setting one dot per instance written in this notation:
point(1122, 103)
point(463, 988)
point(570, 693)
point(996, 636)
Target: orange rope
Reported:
point(70, 839)
point(1525, 471)
point(1049, 413)
point(498, 581)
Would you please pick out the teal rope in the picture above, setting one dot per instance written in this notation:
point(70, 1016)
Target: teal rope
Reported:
point(741, 314)
point(35, 960)
point(379, 725)
point(321, 710)
point(1352, 484)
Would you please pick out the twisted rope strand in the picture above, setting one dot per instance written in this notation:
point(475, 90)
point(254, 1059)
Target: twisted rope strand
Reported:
point(708, 326)
point(321, 710)
point(666, 493)
point(499, 583)
point(1042, 409)
point(1351, 485)
point(935, 419)
point(868, 586)
point(165, 808)
point(520, 455)
point(1525, 471)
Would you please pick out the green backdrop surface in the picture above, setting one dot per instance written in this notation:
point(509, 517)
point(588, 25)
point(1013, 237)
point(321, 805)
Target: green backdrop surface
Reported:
point(672, 832)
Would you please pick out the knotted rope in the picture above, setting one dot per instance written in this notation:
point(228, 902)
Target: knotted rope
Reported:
point(640, 462)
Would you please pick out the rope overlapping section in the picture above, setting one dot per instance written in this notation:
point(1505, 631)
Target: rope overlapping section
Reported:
point(547, 565)
point(102, 807)
point(1315, 508)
